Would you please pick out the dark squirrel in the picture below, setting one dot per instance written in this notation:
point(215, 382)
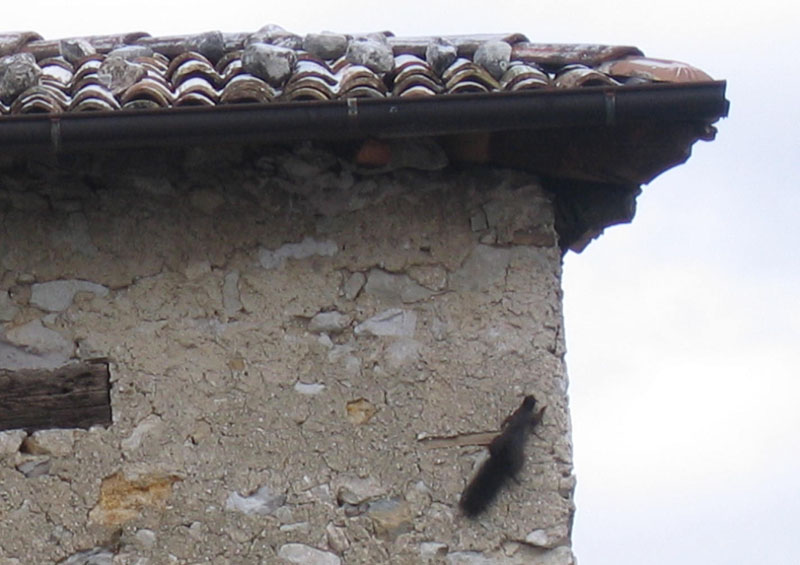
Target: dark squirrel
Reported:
point(506, 457)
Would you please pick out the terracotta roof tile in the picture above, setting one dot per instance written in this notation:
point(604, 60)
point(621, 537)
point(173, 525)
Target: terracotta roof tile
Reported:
point(135, 70)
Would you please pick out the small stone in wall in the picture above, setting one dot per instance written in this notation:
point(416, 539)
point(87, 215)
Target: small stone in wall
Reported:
point(262, 502)
point(59, 443)
point(231, 298)
point(7, 307)
point(34, 466)
point(337, 538)
point(57, 296)
point(151, 425)
point(357, 490)
point(401, 352)
point(40, 339)
point(395, 288)
point(307, 555)
point(307, 248)
point(469, 558)
point(548, 538)
point(393, 322)
point(353, 285)
point(123, 498)
point(360, 411)
point(309, 389)
point(329, 322)
point(431, 550)
point(94, 556)
point(391, 517)
point(10, 441)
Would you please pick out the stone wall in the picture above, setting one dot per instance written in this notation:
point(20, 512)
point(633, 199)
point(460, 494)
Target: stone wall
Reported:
point(286, 332)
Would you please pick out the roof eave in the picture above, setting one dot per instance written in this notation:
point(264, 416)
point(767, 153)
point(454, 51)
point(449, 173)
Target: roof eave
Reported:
point(359, 118)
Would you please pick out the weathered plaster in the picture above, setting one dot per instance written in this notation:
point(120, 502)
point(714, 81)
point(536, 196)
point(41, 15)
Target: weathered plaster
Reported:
point(284, 329)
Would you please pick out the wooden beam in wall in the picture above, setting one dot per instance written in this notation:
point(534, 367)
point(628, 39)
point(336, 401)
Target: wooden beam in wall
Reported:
point(73, 396)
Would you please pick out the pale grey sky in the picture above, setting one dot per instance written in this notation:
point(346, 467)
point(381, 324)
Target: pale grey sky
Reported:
point(682, 328)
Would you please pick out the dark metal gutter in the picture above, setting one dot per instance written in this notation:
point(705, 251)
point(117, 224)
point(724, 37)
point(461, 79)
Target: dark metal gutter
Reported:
point(354, 118)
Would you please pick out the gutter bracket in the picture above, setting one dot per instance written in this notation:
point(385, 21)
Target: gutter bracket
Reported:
point(611, 107)
point(55, 133)
point(352, 108)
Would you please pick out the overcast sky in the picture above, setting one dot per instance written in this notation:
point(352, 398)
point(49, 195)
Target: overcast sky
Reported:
point(682, 328)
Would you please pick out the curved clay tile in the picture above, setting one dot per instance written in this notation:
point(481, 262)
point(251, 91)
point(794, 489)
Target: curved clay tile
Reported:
point(58, 71)
point(106, 43)
point(246, 88)
point(191, 65)
point(657, 70)
point(554, 55)
point(362, 91)
point(11, 43)
point(149, 88)
point(415, 91)
point(467, 86)
point(156, 65)
point(88, 67)
point(463, 70)
point(197, 85)
point(210, 44)
point(520, 76)
point(319, 84)
point(229, 65)
point(37, 100)
point(411, 81)
point(193, 99)
point(305, 93)
point(575, 76)
point(357, 78)
point(313, 68)
point(93, 97)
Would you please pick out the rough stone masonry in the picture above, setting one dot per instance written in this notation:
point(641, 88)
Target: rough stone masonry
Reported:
point(300, 350)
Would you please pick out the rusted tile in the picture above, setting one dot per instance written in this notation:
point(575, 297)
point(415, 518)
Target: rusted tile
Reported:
point(659, 70)
point(520, 76)
point(150, 88)
point(578, 75)
point(359, 79)
point(246, 88)
point(554, 55)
